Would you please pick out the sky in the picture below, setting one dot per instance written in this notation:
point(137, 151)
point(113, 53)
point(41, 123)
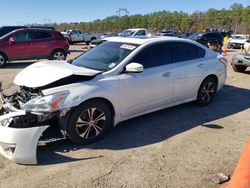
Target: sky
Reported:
point(20, 12)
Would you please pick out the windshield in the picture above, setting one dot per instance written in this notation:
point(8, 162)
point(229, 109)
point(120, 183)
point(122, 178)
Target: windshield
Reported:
point(105, 56)
point(195, 36)
point(127, 33)
point(68, 31)
point(239, 37)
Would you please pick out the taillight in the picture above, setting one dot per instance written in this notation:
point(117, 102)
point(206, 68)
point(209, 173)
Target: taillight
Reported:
point(223, 60)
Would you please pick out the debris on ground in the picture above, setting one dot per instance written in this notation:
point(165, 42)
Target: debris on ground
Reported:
point(220, 178)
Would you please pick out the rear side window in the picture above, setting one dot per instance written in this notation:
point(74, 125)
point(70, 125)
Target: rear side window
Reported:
point(181, 51)
point(153, 55)
point(39, 35)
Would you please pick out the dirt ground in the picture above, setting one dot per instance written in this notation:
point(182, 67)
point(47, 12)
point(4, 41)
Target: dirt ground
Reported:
point(183, 146)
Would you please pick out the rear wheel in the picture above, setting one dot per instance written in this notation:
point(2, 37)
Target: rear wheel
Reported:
point(207, 91)
point(89, 122)
point(58, 55)
point(3, 59)
point(239, 68)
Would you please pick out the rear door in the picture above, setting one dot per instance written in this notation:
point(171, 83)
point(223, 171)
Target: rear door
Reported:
point(42, 44)
point(190, 68)
point(153, 87)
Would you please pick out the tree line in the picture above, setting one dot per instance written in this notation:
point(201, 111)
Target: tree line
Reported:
point(236, 18)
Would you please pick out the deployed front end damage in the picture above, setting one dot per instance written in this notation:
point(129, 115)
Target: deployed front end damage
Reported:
point(24, 116)
point(43, 100)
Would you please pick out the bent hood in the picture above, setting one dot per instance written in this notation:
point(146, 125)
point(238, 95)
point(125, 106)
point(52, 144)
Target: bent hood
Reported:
point(46, 72)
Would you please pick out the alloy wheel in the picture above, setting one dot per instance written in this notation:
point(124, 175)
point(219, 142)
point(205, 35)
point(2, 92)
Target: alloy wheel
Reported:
point(208, 91)
point(90, 123)
point(2, 60)
point(59, 56)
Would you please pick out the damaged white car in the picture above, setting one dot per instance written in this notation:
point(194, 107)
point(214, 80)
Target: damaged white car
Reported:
point(118, 80)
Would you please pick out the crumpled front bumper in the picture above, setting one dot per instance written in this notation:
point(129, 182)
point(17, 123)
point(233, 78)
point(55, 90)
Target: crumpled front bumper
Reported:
point(19, 144)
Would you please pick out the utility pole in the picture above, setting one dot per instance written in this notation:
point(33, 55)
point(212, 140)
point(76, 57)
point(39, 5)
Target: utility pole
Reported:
point(122, 12)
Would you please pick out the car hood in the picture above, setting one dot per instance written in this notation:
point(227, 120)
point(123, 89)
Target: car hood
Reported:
point(46, 72)
point(237, 40)
point(64, 33)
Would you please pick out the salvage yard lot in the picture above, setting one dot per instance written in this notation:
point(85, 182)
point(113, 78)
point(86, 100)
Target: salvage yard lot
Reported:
point(183, 146)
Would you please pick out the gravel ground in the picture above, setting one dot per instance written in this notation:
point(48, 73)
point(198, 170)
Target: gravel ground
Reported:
point(183, 146)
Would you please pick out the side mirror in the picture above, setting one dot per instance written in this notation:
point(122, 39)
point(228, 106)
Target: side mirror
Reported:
point(11, 40)
point(134, 68)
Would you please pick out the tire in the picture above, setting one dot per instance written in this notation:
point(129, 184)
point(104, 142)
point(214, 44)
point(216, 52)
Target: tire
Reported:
point(3, 59)
point(58, 55)
point(207, 91)
point(69, 41)
point(93, 38)
point(239, 68)
point(83, 127)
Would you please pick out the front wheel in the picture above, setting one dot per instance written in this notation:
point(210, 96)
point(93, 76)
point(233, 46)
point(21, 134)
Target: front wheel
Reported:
point(239, 68)
point(58, 55)
point(207, 91)
point(89, 122)
point(3, 60)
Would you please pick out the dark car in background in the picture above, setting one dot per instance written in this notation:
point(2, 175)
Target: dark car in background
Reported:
point(27, 43)
point(208, 39)
point(7, 29)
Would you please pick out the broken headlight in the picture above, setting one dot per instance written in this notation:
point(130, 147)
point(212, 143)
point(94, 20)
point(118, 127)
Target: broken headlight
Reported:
point(48, 103)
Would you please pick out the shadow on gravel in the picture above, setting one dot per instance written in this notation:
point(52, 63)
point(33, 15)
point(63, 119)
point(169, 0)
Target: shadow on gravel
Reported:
point(247, 72)
point(159, 126)
point(76, 51)
point(18, 64)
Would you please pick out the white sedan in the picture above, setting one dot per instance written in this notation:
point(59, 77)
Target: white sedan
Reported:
point(118, 80)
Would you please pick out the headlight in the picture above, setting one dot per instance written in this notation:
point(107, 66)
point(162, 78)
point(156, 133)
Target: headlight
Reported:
point(48, 103)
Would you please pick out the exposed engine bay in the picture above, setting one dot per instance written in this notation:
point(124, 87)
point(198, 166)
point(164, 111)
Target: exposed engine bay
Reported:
point(16, 102)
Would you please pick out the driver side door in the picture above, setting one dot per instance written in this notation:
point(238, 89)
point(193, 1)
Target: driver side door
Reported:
point(21, 46)
point(150, 89)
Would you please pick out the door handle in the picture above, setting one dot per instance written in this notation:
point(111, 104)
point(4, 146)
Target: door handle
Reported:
point(167, 74)
point(201, 66)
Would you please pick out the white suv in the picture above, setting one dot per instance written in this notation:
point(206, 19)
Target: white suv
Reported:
point(118, 80)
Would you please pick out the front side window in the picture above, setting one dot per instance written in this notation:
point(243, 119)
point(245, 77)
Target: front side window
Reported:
point(21, 36)
point(153, 55)
point(105, 56)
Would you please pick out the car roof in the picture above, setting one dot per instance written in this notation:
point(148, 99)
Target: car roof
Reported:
point(142, 40)
point(209, 32)
point(34, 29)
point(135, 29)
